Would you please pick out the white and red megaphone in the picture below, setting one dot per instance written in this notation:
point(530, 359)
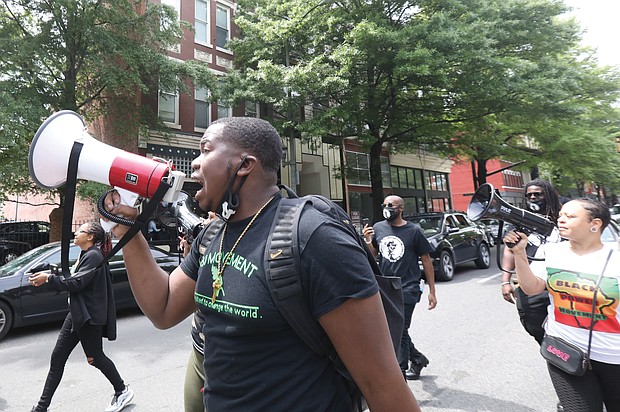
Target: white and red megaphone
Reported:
point(131, 174)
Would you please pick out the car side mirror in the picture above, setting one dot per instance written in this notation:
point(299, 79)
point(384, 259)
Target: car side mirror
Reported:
point(40, 267)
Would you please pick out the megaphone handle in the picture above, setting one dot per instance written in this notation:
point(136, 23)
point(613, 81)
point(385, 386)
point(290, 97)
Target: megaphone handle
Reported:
point(127, 198)
point(140, 222)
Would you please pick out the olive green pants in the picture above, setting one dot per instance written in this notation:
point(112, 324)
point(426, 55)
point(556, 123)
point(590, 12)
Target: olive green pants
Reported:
point(194, 382)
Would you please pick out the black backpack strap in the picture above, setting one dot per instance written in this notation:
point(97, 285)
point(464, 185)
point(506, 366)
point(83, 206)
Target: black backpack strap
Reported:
point(283, 274)
point(208, 233)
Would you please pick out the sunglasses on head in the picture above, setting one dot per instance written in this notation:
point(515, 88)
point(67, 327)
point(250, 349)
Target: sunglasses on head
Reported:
point(383, 206)
point(535, 194)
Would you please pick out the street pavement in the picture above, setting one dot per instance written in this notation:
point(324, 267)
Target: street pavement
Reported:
point(151, 361)
point(481, 358)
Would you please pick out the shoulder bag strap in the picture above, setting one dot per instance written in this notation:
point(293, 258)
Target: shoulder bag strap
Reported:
point(592, 321)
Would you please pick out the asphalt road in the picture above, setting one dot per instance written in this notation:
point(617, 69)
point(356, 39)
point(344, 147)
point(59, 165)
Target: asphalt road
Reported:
point(481, 359)
point(151, 361)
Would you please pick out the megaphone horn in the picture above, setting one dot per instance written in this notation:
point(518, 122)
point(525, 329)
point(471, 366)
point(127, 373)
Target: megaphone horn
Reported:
point(487, 203)
point(51, 147)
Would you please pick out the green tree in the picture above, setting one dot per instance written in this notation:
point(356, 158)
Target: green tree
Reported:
point(570, 135)
point(404, 74)
point(92, 57)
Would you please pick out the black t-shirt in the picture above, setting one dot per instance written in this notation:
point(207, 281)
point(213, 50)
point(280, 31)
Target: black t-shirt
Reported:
point(253, 359)
point(399, 249)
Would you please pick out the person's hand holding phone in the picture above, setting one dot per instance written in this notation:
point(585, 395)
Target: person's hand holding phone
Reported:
point(367, 230)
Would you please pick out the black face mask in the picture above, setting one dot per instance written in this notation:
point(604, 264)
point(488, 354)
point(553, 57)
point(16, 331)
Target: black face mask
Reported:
point(390, 213)
point(230, 200)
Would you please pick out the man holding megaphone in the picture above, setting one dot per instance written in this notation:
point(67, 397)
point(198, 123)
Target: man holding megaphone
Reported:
point(540, 197)
point(246, 337)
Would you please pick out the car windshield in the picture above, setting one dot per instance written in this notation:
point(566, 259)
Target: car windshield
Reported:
point(27, 257)
point(431, 225)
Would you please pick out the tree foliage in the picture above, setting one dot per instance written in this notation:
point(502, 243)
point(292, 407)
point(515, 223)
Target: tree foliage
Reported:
point(92, 57)
point(449, 75)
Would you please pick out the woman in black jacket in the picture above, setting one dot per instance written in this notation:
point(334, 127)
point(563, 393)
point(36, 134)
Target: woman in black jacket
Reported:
point(92, 315)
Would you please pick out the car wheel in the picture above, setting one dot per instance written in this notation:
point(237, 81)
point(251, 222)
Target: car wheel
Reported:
point(484, 257)
point(6, 319)
point(8, 256)
point(446, 266)
point(491, 240)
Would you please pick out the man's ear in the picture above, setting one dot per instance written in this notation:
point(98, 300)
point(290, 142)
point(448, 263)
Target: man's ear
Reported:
point(248, 164)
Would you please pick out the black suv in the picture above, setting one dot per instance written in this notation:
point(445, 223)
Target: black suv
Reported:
point(456, 240)
point(17, 238)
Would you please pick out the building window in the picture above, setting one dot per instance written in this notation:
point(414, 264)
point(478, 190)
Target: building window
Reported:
point(168, 107)
point(512, 179)
point(182, 164)
point(251, 109)
point(436, 180)
point(201, 23)
point(223, 110)
point(358, 169)
point(222, 23)
point(406, 178)
point(176, 5)
point(202, 108)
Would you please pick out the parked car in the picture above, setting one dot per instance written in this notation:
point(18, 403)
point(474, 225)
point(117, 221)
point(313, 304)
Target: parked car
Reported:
point(456, 240)
point(488, 232)
point(19, 237)
point(611, 235)
point(615, 213)
point(22, 304)
point(493, 226)
point(9, 250)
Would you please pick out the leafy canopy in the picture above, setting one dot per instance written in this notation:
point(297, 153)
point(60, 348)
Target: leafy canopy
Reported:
point(92, 57)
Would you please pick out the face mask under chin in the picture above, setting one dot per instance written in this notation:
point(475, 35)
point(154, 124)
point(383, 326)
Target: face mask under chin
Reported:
point(230, 200)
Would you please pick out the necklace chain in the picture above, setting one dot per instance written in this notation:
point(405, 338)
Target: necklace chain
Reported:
point(218, 282)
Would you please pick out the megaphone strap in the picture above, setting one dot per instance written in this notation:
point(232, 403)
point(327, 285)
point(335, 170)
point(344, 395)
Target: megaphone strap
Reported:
point(142, 218)
point(67, 217)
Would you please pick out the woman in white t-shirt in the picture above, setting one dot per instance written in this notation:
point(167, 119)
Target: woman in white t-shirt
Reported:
point(570, 272)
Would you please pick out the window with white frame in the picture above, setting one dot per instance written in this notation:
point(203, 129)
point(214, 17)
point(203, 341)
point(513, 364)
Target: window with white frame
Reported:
point(202, 34)
point(222, 22)
point(168, 107)
point(202, 108)
point(176, 5)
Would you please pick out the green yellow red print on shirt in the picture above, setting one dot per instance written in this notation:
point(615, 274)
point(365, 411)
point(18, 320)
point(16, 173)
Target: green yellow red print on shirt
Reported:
point(572, 298)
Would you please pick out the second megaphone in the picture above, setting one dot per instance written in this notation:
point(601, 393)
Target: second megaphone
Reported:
point(487, 203)
point(51, 149)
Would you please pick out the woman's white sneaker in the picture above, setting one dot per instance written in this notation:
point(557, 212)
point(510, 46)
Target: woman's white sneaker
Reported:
point(119, 401)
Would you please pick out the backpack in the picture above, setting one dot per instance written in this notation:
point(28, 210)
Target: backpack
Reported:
point(283, 273)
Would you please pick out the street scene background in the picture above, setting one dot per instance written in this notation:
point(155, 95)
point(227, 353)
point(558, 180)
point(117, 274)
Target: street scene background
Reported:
point(481, 359)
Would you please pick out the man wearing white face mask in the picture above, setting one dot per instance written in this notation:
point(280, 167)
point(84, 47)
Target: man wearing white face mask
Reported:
point(539, 197)
point(398, 245)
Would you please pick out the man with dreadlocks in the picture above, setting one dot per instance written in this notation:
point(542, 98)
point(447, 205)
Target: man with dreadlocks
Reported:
point(540, 197)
